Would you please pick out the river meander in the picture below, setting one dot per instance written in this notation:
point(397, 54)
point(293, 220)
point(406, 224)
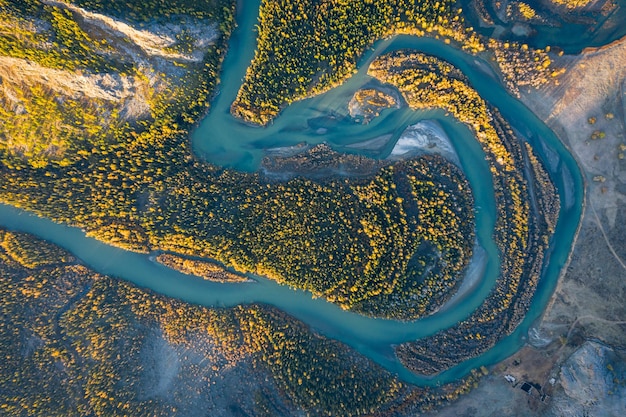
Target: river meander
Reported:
point(224, 141)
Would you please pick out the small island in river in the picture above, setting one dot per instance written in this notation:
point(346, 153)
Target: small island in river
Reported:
point(201, 268)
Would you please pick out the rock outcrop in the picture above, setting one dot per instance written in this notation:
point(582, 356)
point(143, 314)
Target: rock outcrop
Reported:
point(594, 383)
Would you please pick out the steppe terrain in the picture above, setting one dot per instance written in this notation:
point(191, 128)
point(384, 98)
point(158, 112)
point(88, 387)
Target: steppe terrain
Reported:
point(576, 352)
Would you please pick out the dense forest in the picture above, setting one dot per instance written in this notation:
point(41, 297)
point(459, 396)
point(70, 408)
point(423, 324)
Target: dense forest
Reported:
point(94, 128)
point(76, 343)
point(305, 47)
point(392, 244)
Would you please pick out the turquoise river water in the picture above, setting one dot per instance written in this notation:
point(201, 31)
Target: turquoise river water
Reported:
point(222, 140)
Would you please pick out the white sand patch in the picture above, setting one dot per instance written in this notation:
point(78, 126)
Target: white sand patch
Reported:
point(424, 137)
point(473, 275)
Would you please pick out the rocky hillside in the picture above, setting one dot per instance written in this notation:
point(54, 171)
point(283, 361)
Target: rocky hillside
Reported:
point(593, 381)
point(79, 71)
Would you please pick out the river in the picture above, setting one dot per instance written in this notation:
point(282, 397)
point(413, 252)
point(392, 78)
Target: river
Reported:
point(572, 34)
point(225, 141)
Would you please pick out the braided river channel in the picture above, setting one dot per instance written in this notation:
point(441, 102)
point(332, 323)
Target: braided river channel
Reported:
point(222, 140)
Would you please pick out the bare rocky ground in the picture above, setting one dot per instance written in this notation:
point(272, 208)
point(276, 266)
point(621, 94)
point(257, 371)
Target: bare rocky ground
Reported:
point(579, 342)
point(151, 48)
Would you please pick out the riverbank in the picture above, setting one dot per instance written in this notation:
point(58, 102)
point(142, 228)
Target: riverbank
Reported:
point(471, 279)
point(587, 110)
point(587, 303)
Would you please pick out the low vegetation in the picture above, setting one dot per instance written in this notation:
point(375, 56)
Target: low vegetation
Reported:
point(51, 37)
point(522, 66)
point(367, 103)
